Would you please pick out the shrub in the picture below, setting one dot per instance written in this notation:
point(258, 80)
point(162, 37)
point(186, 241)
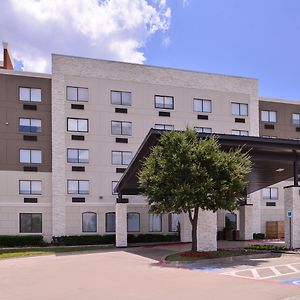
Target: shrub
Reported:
point(21, 240)
point(258, 236)
point(266, 247)
point(152, 238)
point(73, 240)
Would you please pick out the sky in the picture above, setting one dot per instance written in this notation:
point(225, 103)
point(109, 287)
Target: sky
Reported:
point(251, 38)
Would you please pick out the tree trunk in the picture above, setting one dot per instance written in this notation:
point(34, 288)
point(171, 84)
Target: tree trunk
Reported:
point(194, 222)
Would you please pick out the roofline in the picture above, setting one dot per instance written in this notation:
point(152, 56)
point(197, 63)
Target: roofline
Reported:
point(24, 73)
point(278, 100)
point(153, 66)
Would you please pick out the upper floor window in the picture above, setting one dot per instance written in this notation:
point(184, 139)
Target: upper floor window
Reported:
point(30, 187)
point(269, 136)
point(164, 127)
point(270, 193)
point(78, 186)
point(113, 185)
point(120, 98)
point(78, 125)
point(77, 94)
point(30, 125)
point(30, 156)
point(203, 129)
point(202, 105)
point(89, 222)
point(121, 128)
point(121, 157)
point(30, 222)
point(30, 94)
point(240, 109)
point(268, 116)
point(78, 156)
point(166, 102)
point(296, 119)
point(239, 132)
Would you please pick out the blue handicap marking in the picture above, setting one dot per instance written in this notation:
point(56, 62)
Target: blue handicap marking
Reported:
point(205, 268)
point(293, 282)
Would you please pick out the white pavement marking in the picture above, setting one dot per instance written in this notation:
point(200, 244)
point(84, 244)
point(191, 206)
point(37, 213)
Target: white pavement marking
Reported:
point(257, 276)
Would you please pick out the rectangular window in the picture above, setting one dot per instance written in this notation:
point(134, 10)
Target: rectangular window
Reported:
point(77, 156)
point(154, 223)
point(202, 105)
point(77, 94)
point(240, 109)
point(296, 119)
point(30, 94)
point(110, 222)
point(30, 187)
point(30, 222)
point(203, 129)
point(78, 125)
point(268, 116)
point(121, 157)
point(164, 127)
point(165, 102)
point(270, 193)
point(121, 128)
point(30, 156)
point(113, 185)
point(89, 222)
point(174, 222)
point(78, 187)
point(239, 132)
point(120, 98)
point(133, 222)
point(30, 125)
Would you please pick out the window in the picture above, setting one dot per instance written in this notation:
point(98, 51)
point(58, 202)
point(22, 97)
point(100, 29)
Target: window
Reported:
point(30, 222)
point(30, 94)
point(154, 223)
point(78, 187)
point(201, 105)
point(268, 116)
point(174, 222)
point(30, 125)
point(30, 187)
point(120, 98)
point(79, 125)
point(269, 136)
point(113, 185)
point(166, 102)
point(296, 119)
point(121, 128)
point(30, 156)
point(89, 222)
point(121, 157)
point(133, 222)
point(239, 132)
point(203, 129)
point(164, 127)
point(270, 193)
point(110, 222)
point(77, 94)
point(77, 156)
point(240, 109)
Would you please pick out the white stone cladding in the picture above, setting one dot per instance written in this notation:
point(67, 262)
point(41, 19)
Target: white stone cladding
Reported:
point(185, 228)
point(121, 224)
point(207, 231)
point(246, 222)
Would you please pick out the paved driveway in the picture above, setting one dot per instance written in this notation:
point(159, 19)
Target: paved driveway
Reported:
point(127, 275)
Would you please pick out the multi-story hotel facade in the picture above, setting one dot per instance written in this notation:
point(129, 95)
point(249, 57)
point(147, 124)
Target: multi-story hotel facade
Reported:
point(66, 139)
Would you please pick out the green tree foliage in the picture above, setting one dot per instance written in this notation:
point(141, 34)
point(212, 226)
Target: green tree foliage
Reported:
point(185, 174)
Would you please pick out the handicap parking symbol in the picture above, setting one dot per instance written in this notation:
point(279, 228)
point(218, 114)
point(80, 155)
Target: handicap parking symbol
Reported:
point(293, 282)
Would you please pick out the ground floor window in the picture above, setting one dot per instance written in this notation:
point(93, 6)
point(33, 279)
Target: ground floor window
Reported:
point(30, 222)
point(154, 223)
point(173, 222)
point(110, 222)
point(89, 222)
point(133, 222)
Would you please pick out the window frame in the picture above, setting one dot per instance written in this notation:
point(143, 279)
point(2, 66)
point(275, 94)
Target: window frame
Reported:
point(82, 223)
point(164, 105)
point(106, 219)
point(240, 131)
point(122, 157)
point(202, 106)
point(78, 158)
point(298, 120)
point(270, 193)
point(77, 119)
point(30, 189)
point(164, 126)
point(239, 113)
point(77, 93)
point(139, 230)
point(113, 186)
point(30, 126)
point(268, 112)
point(78, 188)
point(121, 93)
point(20, 223)
point(36, 163)
point(30, 93)
point(202, 131)
point(121, 122)
point(149, 222)
point(170, 222)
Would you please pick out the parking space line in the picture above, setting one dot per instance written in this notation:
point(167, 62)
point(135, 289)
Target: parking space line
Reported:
point(255, 274)
point(292, 268)
point(275, 271)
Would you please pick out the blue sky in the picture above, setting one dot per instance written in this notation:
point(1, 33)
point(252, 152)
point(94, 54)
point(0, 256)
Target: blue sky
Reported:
point(252, 38)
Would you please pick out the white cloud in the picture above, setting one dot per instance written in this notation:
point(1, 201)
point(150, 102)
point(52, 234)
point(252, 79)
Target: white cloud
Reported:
point(166, 41)
point(109, 29)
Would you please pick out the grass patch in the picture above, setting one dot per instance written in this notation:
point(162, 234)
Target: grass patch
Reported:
point(188, 256)
point(266, 247)
point(21, 252)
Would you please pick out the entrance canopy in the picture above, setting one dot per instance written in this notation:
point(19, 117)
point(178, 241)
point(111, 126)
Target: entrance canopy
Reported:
point(274, 160)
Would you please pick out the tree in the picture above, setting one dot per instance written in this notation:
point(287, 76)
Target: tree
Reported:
point(185, 174)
